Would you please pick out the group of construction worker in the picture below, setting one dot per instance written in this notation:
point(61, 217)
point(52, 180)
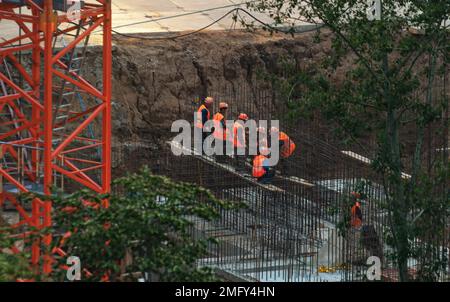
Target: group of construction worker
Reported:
point(262, 170)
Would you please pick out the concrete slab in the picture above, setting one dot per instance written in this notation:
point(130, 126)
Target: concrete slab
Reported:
point(196, 5)
point(161, 16)
point(189, 23)
point(138, 11)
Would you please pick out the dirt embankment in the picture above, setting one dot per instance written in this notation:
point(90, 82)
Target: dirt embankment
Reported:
point(155, 82)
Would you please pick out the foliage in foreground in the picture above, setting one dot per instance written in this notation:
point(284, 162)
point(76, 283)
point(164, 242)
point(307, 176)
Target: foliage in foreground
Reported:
point(13, 267)
point(144, 233)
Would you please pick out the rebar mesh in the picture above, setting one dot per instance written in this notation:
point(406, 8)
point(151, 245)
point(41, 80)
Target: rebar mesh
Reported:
point(291, 234)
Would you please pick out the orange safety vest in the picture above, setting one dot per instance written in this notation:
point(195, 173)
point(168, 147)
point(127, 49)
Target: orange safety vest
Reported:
point(288, 147)
point(198, 122)
point(258, 170)
point(356, 219)
point(218, 129)
point(238, 135)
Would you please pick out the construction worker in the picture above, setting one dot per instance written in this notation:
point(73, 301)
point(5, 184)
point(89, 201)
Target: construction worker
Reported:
point(262, 171)
point(239, 141)
point(287, 145)
point(287, 148)
point(356, 212)
point(220, 131)
point(261, 140)
point(204, 114)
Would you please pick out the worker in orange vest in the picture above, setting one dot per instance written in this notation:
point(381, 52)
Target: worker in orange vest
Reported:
point(239, 132)
point(204, 115)
point(262, 171)
point(239, 141)
point(220, 130)
point(287, 147)
point(220, 122)
point(356, 212)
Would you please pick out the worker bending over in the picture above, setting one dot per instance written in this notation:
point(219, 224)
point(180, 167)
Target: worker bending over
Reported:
point(220, 131)
point(262, 170)
point(286, 145)
point(239, 141)
point(204, 115)
point(356, 212)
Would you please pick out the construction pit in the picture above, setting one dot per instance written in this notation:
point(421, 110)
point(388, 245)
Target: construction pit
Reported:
point(288, 230)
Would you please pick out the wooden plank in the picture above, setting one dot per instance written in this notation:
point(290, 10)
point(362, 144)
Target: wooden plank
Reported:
point(368, 161)
point(357, 157)
point(297, 180)
point(229, 168)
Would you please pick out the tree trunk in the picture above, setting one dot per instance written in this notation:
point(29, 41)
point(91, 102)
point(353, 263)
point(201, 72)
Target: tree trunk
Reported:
point(399, 206)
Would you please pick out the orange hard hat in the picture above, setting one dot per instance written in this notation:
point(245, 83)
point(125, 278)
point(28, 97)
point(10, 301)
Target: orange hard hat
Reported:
point(243, 117)
point(209, 100)
point(223, 105)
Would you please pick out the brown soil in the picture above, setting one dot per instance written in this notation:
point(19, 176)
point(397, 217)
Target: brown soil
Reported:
point(156, 82)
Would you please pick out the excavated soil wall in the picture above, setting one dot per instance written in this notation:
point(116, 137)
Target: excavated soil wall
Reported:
point(157, 82)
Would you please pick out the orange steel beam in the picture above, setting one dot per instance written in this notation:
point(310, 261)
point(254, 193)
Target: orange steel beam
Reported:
point(107, 94)
point(22, 92)
point(81, 148)
point(76, 41)
point(33, 130)
point(78, 130)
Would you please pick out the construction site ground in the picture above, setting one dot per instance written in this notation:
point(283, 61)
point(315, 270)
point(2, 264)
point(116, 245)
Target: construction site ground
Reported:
point(288, 232)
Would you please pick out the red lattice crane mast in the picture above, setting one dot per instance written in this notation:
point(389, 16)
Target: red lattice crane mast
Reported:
point(55, 124)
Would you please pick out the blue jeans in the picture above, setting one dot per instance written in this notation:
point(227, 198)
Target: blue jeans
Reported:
point(267, 178)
